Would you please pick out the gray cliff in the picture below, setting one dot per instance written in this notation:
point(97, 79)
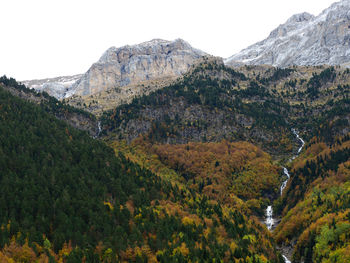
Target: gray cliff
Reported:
point(128, 65)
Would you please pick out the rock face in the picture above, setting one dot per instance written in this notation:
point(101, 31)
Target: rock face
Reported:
point(304, 40)
point(131, 64)
point(59, 87)
point(128, 65)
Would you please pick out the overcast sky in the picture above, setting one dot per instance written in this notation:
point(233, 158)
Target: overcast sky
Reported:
point(48, 38)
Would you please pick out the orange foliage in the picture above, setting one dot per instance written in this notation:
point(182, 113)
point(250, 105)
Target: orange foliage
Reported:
point(130, 206)
point(219, 169)
point(17, 253)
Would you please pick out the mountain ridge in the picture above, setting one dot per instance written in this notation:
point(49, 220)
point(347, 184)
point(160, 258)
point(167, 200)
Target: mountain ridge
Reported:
point(303, 39)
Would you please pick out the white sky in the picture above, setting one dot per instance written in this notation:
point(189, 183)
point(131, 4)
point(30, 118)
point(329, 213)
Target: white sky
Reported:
point(49, 38)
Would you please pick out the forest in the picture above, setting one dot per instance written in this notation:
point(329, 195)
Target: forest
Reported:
point(317, 203)
point(183, 174)
point(253, 104)
point(67, 197)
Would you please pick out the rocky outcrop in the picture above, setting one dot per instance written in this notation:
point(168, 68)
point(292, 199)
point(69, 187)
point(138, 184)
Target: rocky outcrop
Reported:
point(128, 65)
point(304, 40)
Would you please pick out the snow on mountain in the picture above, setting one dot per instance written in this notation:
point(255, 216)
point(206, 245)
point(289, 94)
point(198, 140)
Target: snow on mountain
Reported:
point(59, 87)
point(304, 40)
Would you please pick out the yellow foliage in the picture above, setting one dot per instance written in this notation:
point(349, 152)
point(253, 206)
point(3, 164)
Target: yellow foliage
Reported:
point(181, 250)
point(250, 238)
point(138, 217)
point(233, 246)
point(187, 221)
point(206, 233)
point(16, 253)
point(66, 250)
point(156, 211)
point(263, 258)
point(109, 205)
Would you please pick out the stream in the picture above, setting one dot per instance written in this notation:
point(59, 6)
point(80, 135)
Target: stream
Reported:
point(269, 211)
point(99, 130)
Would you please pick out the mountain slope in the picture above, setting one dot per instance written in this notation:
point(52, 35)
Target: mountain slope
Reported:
point(317, 203)
point(259, 104)
point(304, 40)
point(67, 198)
point(75, 117)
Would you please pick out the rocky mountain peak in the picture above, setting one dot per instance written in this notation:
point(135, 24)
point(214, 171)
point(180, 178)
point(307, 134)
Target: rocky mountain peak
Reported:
point(131, 64)
point(156, 59)
point(153, 47)
point(293, 23)
point(299, 18)
point(304, 40)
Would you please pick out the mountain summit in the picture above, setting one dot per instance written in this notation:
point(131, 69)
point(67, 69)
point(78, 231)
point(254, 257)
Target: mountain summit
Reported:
point(304, 40)
point(123, 66)
point(131, 64)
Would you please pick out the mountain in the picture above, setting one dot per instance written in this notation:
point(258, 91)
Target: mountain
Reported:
point(189, 127)
point(195, 165)
point(204, 105)
point(131, 64)
point(214, 102)
point(128, 65)
point(304, 40)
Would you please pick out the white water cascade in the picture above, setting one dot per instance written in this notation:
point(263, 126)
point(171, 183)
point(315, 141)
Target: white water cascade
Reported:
point(269, 211)
point(269, 218)
point(284, 184)
point(99, 130)
point(301, 140)
point(286, 259)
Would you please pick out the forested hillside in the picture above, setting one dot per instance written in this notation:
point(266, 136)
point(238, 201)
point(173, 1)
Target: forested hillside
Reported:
point(230, 173)
point(66, 197)
point(257, 104)
point(75, 117)
point(205, 106)
point(188, 127)
point(316, 203)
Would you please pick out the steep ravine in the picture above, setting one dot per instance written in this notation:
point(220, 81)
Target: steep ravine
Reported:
point(270, 221)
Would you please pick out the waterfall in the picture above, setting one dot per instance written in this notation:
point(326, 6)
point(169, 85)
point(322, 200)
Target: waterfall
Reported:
point(284, 184)
point(269, 211)
point(300, 139)
point(269, 218)
point(286, 260)
point(99, 130)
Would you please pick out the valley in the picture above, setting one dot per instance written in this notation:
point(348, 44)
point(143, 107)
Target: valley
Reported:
point(324, 119)
point(219, 143)
point(160, 152)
